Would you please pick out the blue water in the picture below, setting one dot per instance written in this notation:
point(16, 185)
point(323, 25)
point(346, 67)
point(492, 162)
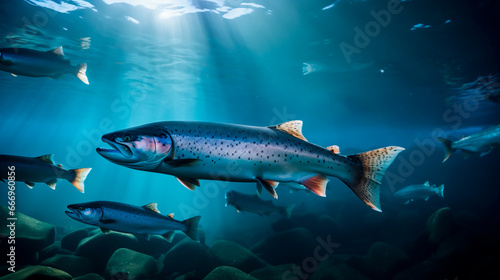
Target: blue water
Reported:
point(259, 63)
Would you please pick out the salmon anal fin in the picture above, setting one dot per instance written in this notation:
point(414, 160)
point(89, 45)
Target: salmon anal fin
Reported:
point(293, 128)
point(268, 187)
point(30, 184)
point(52, 184)
point(152, 206)
point(47, 158)
point(317, 184)
point(189, 183)
point(171, 215)
point(169, 236)
point(334, 149)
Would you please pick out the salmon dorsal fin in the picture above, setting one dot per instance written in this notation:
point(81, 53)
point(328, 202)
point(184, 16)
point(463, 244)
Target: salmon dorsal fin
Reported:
point(334, 149)
point(58, 51)
point(47, 158)
point(427, 184)
point(171, 215)
point(293, 128)
point(152, 206)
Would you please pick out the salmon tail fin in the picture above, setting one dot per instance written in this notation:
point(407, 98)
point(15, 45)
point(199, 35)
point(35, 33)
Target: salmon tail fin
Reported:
point(81, 73)
point(366, 185)
point(440, 191)
point(80, 176)
point(448, 150)
point(287, 211)
point(192, 227)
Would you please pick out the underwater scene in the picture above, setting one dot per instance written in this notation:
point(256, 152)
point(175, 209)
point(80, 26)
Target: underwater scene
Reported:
point(255, 140)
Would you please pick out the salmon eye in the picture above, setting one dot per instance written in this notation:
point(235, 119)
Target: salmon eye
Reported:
point(80, 208)
point(127, 138)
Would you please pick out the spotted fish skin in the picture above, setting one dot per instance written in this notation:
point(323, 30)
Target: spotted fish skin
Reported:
point(268, 155)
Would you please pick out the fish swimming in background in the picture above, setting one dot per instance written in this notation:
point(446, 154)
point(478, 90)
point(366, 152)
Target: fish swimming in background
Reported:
point(254, 204)
point(138, 220)
point(420, 191)
point(41, 169)
point(32, 63)
point(267, 155)
point(481, 142)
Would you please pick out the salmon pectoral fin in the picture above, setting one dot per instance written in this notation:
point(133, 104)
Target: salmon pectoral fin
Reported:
point(268, 186)
point(181, 162)
point(169, 236)
point(189, 183)
point(317, 184)
point(448, 150)
point(366, 183)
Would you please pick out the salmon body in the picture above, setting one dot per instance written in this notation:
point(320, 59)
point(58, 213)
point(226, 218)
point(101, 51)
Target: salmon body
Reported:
point(267, 155)
point(40, 169)
point(33, 63)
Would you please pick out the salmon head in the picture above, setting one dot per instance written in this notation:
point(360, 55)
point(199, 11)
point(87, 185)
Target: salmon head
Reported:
point(88, 213)
point(142, 148)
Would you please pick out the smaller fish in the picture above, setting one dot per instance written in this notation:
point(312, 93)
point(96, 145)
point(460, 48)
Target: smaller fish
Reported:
point(138, 220)
point(481, 142)
point(253, 203)
point(41, 169)
point(33, 63)
point(420, 191)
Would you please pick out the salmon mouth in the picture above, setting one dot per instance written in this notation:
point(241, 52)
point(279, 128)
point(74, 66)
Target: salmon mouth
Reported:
point(73, 213)
point(120, 152)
